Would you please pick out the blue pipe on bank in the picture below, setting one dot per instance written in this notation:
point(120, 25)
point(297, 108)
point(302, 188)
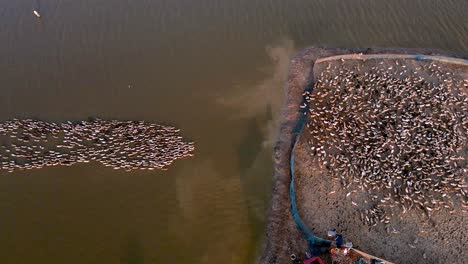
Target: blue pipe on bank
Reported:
point(312, 240)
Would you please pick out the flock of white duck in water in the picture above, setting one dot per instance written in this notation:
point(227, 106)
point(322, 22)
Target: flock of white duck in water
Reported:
point(125, 145)
point(397, 141)
point(383, 130)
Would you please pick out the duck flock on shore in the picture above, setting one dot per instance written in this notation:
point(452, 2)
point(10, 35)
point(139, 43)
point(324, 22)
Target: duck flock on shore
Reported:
point(126, 145)
point(387, 132)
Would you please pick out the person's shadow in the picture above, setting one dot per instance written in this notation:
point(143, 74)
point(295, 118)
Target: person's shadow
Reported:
point(132, 251)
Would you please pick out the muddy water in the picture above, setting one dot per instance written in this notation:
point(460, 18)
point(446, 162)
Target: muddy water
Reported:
point(213, 68)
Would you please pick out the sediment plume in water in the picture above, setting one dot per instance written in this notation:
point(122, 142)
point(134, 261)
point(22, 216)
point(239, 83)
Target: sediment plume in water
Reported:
point(395, 132)
point(126, 145)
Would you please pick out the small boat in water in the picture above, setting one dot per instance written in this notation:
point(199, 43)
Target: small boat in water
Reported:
point(37, 13)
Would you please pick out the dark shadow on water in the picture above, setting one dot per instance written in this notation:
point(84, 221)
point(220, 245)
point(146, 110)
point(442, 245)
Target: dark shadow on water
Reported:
point(251, 144)
point(132, 251)
point(255, 164)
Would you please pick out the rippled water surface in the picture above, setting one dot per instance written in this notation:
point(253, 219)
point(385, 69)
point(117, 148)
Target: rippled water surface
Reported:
point(213, 68)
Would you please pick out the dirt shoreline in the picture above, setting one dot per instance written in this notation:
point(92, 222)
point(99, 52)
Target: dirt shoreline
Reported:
point(282, 236)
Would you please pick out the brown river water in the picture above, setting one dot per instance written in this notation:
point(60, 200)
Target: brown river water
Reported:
point(213, 68)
